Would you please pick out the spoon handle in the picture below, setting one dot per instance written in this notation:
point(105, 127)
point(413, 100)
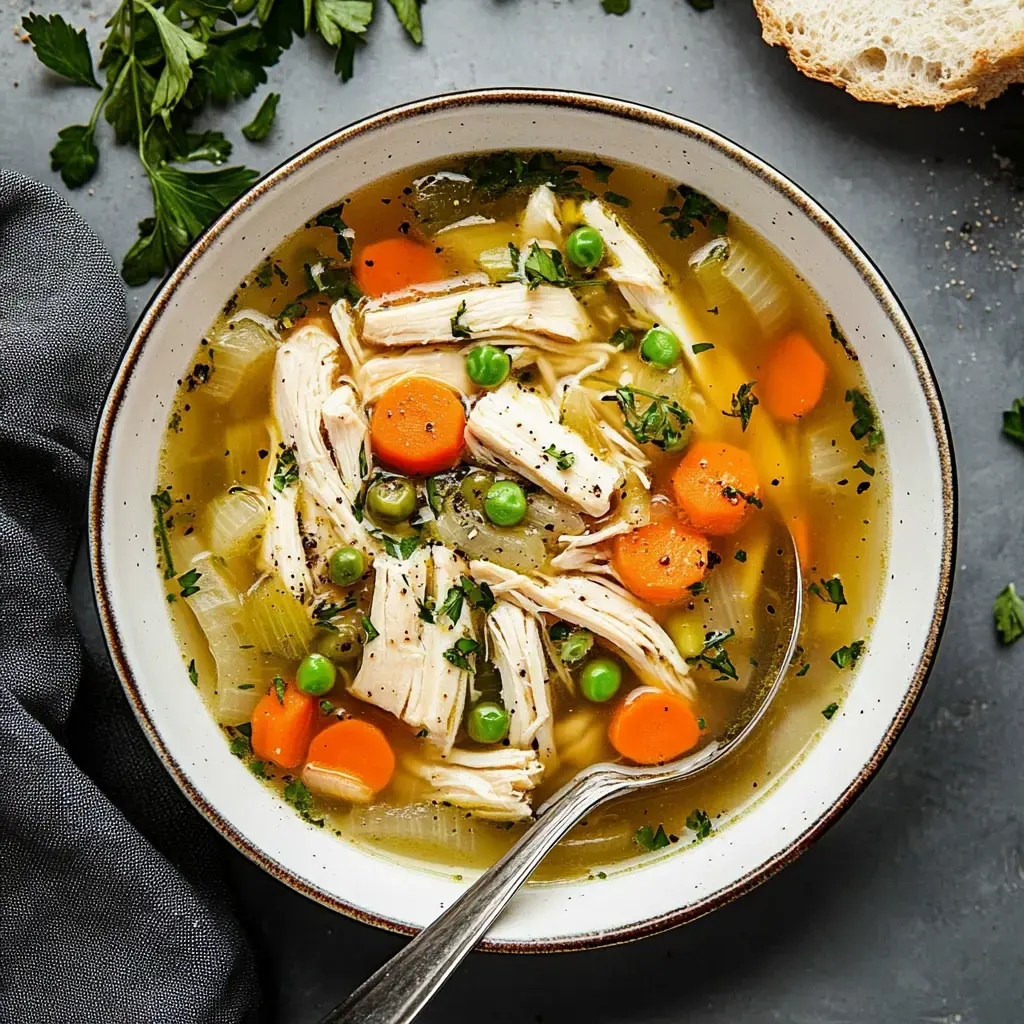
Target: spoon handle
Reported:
point(397, 992)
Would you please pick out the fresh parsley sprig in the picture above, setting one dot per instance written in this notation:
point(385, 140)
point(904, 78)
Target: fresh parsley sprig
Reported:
point(715, 656)
point(743, 402)
point(662, 423)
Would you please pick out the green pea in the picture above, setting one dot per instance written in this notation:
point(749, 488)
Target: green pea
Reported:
point(391, 499)
point(316, 674)
point(585, 247)
point(475, 485)
point(661, 347)
point(488, 723)
point(488, 366)
point(505, 503)
point(600, 679)
point(347, 565)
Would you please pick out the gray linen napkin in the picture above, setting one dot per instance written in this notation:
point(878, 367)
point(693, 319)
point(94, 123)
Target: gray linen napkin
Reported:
point(111, 904)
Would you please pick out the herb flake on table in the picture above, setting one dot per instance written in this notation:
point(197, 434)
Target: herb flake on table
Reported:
point(259, 127)
point(1009, 615)
point(1013, 421)
point(615, 6)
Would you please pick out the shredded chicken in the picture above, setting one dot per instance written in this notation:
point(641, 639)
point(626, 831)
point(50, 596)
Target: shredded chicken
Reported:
point(393, 662)
point(604, 608)
point(517, 428)
point(349, 434)
point(516, 649)
point(494, 784)
point(447, 365)
point(437, 697)
point(282, 550)
point(502, 311)
point(540, 218)
point(345, 325)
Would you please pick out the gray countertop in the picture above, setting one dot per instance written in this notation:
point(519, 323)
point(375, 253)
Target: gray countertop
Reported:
point(912, 907)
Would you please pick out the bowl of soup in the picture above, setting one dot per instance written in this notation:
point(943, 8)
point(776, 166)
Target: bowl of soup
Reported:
point(469, 448)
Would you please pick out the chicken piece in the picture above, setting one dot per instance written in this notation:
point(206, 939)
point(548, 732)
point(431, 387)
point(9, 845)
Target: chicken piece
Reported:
point(393, 661)
point(447, 365)
point(509, 311)
point(541, 221)
point(437, 697)
point(516, 428)
point(282, 551)
point(345, 325)
point(303, 379)
point(604, 608)
point(349, 434)
point(517, 651)
point(494, 784)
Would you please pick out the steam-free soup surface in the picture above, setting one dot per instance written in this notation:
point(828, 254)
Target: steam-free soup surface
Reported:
point(490, 474)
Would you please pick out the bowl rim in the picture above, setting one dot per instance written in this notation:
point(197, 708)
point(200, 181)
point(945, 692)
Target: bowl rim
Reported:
point(625, 110)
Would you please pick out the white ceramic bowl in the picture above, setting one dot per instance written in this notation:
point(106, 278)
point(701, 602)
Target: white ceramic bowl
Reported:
point(792, 813)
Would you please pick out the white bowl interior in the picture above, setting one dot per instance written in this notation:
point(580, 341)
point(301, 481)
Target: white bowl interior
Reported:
point(687, 880)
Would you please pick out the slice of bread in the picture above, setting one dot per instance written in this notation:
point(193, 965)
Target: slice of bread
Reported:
point(914, 53)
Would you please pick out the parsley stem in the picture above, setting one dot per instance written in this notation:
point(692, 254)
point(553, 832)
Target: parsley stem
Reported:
point(135, 81)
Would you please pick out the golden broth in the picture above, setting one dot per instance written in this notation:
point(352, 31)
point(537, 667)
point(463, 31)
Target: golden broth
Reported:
point(211, 446)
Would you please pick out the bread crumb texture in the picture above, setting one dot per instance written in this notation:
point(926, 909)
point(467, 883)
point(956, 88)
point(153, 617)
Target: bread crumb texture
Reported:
point(913, 53)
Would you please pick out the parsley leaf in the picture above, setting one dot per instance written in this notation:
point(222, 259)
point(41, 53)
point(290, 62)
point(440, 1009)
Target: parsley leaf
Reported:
point(829, 710)
point(662, 423)
point(864, 467)
point(458, 655)
point(259, 127)
point(735, 494)
point(161, 506)
point(1013, 421)
point(848, 656)
point(694, 207)
point(299, 796)
point(180, 48)
point(618, 200)
point(326, 707)
point(864, 423)
point(408, 12)
point(369, 629)
point(698, 821)
point(615, 6)
point(291, 313)
point(189, 582)
point(75, 155)
point(743, 402)
point(623, 339)
point(839, 337)
point(330, 277)
point(479, 595)
point(240, 746)
point(452, 604)
point(741, 555)
point(426, 609)
point(718, 659)
point(829, 591)
point(702, 346)
point(61, 48)
point(193, 673)
point(650, 840)
point(459, 328)
point(286, 471)
point(563, 459)
point(1009, 615)
point(546, 266)
point(343, 234)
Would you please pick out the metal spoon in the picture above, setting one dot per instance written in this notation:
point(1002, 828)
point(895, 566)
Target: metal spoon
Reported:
point(397, 992)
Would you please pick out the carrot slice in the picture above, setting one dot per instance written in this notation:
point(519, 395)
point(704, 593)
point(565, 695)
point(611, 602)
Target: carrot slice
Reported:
point(417, 426)
point(353, 750)
point(792, 383)
point(396, 263)
point(713, 485)
point(658, 562)
point(281, 728)
point(652, 726)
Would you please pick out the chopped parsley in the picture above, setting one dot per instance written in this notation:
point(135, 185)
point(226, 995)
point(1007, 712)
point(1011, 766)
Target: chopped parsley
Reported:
point(426, 610)
point(459, 328)
point(189, 582)
point(847, 656)
point(363, 467)
point(828, 711)
point(615, 6)
point(741, 555)
point(266, 273)
point(743, 402)
point(735, 494)
point(326, 707)
point(459, 654)
point(865, 468)
point(618, 200)
point(864, 422)
point(497, 174)
point(698, 821)
point(369, 629)
point(279, 688)
point(559, 631)
point(299, 796)
point(546, 266)
point(452, 604)
point(701, 724)
point(829, 591)
point(623, 339)
point(804, 669)
point(240, 746)
point(258, 768)
point(563, 459)
point(649, 839)
point(662, 423)
point(193, 673)
point(286, 471)
point(162, 505)
point(259, 127)
point(291, 313)
point(702, 346)
point(325, 611)
point(401, 548)
point(1009, 615)
point(718, 658)
point(840, 337)
point(331, 278)
point(693, 207)
point(1013, 421)
point(343, 234)
point(479, 596)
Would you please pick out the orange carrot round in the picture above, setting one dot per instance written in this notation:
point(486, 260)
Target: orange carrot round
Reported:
point(792, 383)
point(652, 726)
point(714, 484)
point(281, 728)
point(354, 748)
point(417, 426)
point(658, 562)
point(396, 263)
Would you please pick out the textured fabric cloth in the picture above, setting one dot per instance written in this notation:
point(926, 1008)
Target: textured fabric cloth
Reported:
point(111, 908)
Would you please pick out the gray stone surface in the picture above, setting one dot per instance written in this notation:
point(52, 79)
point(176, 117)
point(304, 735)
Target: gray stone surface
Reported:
point(912, 907)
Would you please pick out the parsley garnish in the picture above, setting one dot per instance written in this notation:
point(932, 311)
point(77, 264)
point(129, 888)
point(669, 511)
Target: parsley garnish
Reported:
point(279, 688)
point(331, 278)
point(829, 591)
point(840, 337)
point(719, 658)
point(369, 629)
point(299, 796)
point(864, 424)
point(426, 609)
point(264, 276)
point(695, 206)
point(193, 673)
point(662, 423)
point(161, 505)
point(864, 467)
point(287, 469)
point(698, 821)
point(259, 127)
point(623, 339)
point(189, 582)
point(240, 746)
point(650, 840)
point(828, 711)
point(615, 6)
point(401, 548)
point(1013, 421)
point(292, 312)
point(325, 611)
point(458, 655)
point(497, 174)
point(848, 656)
point(741, 555)
point(452, 604)
point(326, 707)
point(61, 48)
point(563, 459)
point(546, 266)
point(459, 328)
point(735, 494)
point(743, 402)
point(1009, 615)
point(702, 346)
point(363, 468)
point(258, 768)
point(701, 724)
point(804, 669)
point(618, 200)
point(332, 218)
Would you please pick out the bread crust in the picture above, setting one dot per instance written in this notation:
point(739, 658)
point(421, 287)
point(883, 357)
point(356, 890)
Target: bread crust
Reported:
point(989, 75)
